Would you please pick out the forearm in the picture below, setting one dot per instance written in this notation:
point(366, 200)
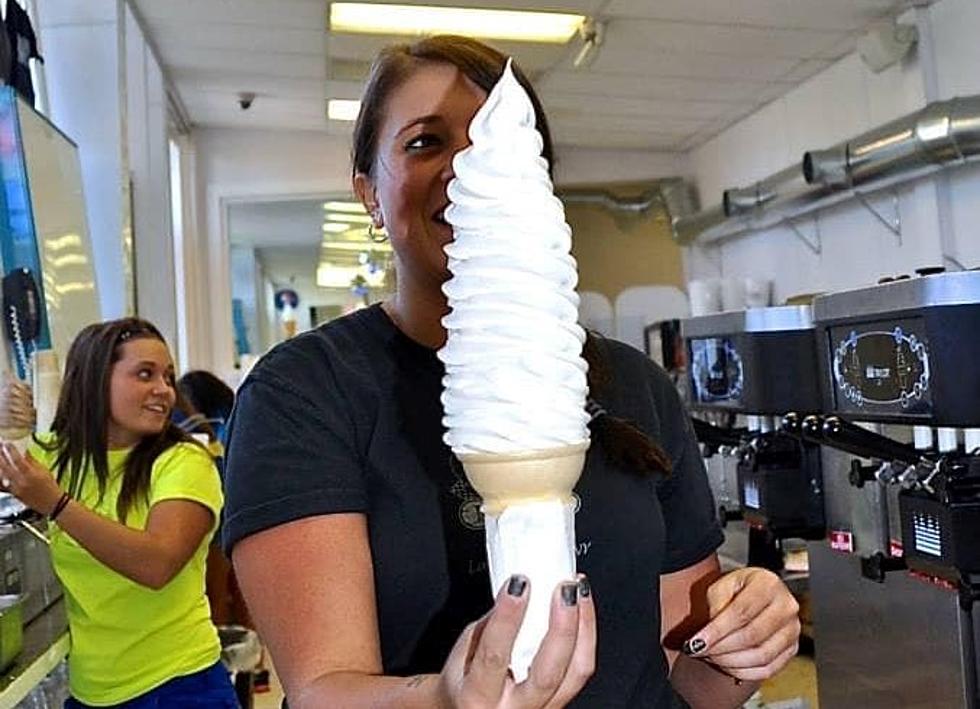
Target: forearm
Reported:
point(705, 687)
point(355, 690)
point(133, 553)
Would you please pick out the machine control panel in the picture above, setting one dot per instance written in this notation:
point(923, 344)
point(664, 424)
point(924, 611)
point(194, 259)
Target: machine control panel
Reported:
point(881, 368)
point(717, 373)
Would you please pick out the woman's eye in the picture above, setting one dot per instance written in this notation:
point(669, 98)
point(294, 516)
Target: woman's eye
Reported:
point(144, 374)
point(419, 142)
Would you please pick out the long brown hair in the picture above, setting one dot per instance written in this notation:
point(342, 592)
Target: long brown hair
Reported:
point(80, 425)
point(625, 444)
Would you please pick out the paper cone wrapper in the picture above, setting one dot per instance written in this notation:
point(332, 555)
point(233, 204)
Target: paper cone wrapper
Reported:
point(529, 512)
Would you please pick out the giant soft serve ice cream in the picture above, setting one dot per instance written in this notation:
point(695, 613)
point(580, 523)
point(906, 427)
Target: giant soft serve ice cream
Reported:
point(515, 383)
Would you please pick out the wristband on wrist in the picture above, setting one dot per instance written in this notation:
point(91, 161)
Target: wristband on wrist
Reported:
point(60, 506)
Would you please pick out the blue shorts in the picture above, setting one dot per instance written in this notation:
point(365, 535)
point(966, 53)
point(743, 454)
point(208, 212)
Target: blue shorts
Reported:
point(207, 689)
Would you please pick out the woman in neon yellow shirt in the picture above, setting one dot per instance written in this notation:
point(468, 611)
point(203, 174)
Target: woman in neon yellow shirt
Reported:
point(135, 502)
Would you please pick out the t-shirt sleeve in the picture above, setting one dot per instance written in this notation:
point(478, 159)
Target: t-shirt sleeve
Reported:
point(291, 454)
point(187, 472)
point(688, 507)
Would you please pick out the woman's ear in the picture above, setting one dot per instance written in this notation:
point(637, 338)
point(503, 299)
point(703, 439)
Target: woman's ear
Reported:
point(368, 195)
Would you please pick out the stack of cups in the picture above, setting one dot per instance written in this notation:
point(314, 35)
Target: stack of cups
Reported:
point(714, 295)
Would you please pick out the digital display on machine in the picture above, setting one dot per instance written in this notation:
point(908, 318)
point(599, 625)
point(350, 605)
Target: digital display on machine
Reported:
point(717, 375)
point(881, 367)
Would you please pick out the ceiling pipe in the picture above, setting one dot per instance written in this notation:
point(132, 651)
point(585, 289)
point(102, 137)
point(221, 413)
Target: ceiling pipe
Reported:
point(942, 133)
point(674, 196)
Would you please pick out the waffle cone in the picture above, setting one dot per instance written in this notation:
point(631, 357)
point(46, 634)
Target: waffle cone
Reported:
point(504, 479)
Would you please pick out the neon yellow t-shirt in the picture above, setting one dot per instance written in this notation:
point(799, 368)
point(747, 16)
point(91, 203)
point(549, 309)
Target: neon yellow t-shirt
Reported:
point(127, 639)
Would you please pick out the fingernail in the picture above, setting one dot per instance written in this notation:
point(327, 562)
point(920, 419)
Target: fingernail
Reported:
point(569, 594)
point(694, 646)
point(584, 587)
point(516, 585)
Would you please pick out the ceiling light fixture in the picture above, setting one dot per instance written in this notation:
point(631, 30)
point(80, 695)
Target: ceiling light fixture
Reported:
point(341, 109)
point(517, 25)
point(355, 246)
point(355, 207)
point(348, 218)
point(591, 33)
point(335, 227)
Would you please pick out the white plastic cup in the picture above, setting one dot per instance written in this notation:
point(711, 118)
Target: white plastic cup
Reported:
point(758, 292)
point(705, 296)
point(732, 294)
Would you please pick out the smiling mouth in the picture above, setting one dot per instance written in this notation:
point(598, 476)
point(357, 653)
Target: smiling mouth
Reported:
point(157, 409)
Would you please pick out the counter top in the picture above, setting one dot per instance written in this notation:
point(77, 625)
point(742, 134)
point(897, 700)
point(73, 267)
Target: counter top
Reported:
point(45, 645)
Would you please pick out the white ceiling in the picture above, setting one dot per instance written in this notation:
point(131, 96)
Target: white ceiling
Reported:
point(669, 75)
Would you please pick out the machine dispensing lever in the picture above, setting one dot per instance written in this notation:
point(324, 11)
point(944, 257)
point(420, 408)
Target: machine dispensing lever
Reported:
point(716, 436)
point(851, 438)
point(860, 474)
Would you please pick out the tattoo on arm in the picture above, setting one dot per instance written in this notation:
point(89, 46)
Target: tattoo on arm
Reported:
point(417, 681)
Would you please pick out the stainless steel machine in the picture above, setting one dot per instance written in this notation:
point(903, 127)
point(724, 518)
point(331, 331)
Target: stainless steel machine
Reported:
point(895, 584)
point(759, 364)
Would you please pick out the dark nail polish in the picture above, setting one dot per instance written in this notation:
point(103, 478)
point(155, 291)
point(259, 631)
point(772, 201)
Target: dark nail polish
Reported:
point(694, 646)
point(584, 587)
point(569, 594)
point(516, 585)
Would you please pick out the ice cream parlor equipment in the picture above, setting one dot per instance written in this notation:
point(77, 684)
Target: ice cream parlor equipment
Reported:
point(894, 587)
point(760, 364)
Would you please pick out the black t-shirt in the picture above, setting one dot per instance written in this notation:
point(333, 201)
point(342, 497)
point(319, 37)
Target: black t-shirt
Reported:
point(347, 418)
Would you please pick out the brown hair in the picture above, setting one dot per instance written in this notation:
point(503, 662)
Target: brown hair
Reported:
point(625, 444)
point(80, 423)
point(481, 64)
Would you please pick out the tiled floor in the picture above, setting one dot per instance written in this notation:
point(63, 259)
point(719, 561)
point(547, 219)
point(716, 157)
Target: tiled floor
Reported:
point(271, 699)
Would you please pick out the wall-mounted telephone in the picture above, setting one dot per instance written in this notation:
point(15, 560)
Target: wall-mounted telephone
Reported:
point(21, 314)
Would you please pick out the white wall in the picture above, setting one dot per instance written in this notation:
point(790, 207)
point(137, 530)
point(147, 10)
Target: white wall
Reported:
point(82, 64)
point(105, 90)
point(841, 102)
point(149, 173)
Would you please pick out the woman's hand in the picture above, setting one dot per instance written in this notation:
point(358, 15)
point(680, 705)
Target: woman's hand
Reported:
point(476, 675)
point(16, 404)
point(754, 629)
point(28, 481)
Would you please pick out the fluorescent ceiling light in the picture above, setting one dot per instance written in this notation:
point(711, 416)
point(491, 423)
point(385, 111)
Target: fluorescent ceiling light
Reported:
point(355, 245)
point(335, 227)
point(329, 276)
point(349, 218)
point(473, 22)
point(340, 109)
point(354, 207)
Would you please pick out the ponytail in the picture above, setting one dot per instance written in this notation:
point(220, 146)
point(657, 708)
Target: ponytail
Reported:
point(625, 444)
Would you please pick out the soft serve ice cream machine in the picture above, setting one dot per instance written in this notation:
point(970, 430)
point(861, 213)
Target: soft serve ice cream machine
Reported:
point(894, 588)
point(761, 363)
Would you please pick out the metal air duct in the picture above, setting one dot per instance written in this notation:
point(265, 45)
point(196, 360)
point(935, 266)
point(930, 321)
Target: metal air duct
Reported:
point(943, 132)
point(940, 133)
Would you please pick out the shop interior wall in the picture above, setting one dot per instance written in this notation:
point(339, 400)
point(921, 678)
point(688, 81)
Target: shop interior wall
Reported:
point(105, 90)
point(617, 250)
point(839, 103)
point(84, 102)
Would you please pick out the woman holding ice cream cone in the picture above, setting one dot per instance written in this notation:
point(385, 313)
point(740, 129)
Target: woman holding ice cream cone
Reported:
point(357, 538)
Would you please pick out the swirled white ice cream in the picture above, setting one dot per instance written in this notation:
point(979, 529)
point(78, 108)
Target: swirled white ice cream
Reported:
point(514, 390)
point(515, 378)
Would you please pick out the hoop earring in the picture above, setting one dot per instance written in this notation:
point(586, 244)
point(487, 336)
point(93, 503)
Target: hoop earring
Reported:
point(376, 237)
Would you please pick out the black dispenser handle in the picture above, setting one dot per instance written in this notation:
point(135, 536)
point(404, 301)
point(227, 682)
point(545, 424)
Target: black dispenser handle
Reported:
point(852, 438)
point(715, 436)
